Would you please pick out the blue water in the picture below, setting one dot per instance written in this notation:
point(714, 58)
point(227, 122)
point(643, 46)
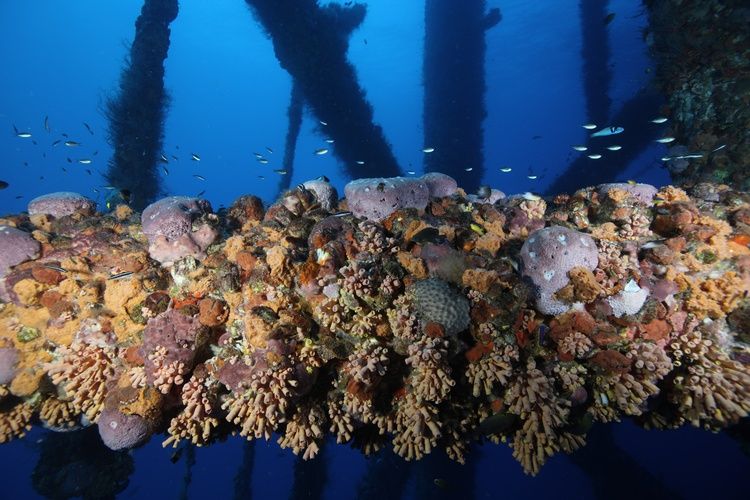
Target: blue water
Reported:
point(229, 97)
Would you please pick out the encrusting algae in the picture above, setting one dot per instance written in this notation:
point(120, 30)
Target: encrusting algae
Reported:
point(434, 323)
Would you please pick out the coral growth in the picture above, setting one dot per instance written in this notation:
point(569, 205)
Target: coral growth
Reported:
point(431, 328)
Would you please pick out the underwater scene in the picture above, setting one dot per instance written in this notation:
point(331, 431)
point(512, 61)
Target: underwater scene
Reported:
point(312, 249)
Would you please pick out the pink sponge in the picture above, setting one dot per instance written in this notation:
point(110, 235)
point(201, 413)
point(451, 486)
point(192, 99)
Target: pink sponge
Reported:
point(547, 256)
point(16, 246)
point(176, 227)
point(61, 204)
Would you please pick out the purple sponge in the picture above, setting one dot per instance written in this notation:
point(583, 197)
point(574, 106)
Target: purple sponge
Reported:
point(61, 204)
point(547, 256)
point(168, 225)
point(642, 192)
point(120, 431)
point(16, 246)
point(8, 362)
point(377, 198)
point(440, 185)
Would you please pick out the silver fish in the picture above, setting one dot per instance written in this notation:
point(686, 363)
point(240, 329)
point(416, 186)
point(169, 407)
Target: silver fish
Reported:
point(199, 177)
point(72, 144)
point(595, 157)
point(580, 148)
point(195, 157)
point(321, 151)
point(661, 119)
point(665, 140)
point(428, 150)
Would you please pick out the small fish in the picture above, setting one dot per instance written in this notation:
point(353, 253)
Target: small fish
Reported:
point(330, 141)
point(341, 214)
point(595, 157)
point(652, 244)
point(95, 190)
point(23, 135)
point(200, 194)
point(323, 123)
point(163, 158)
point(89, 172)
point(580, 148)
point(195, 157)
point(109, 188)
point(719, 148)
point(614, 147)
point(428, 150)
point(411, 172)
point(175, 158)
point(55, 143)
point(321, 151)
point(120, 276)
point(72, 144)
point(661, 119)
point(64, 135)
point(269, 150)
point(258, 155)
point(632, 182)
point(609, 17)
point(506, 170)
point(19, 196)
point(280, 171)
point(608, 131)
point(323, 178)
point(3, 185)
point(532, 177)
point(262, 161)
point(46, 124)
point(261, 177)
point(665, 140)
point(469, 169)
point(166, 172)
point(64, 169)
point(360, 162)
point(440, 482)
point(477, 229)
point(59, 269)
point(589, 126)
point(69, 160)
point(33, 141)
point(25, 164)
point(199, 177)
point(88, 127)
point(84, 161)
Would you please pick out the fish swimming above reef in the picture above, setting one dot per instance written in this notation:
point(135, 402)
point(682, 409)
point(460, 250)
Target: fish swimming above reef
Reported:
point(580, 148)
point(589, 126)
point(22, 135)
point(3, 185)
point(607, 131)
point(595, 156)
point(614, 147)
point(195, 157)
point(72, 144)
point(321, 151)
point(506, 170)
point(658, 120)
point(609, 18)
point(428, 150)
point(665, 140)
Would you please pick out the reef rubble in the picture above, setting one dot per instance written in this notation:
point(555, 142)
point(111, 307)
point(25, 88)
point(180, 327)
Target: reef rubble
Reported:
point(431, 325)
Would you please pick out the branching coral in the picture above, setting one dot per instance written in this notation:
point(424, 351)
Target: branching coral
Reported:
point(263, 405)
point(82, 371)
point(431, 375)
point(416, 428)
point(492, 370)
point(305, 431)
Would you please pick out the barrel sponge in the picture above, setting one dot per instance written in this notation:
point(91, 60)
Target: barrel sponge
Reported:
point(436, 301)
point(61, 204)
point(547, 256)
point(377, 198)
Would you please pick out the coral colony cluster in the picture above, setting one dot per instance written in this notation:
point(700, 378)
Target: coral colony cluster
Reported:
point(407, 312)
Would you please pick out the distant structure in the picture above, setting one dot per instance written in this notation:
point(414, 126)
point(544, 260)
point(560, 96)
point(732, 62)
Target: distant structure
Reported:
point(310, 43)
point(701, 50)
point(454, 87)
point(294, 115)
point(633, 116)
point(136, 114)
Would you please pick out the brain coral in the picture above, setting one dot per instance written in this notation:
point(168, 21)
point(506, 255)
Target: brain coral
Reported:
point(435, 301)
point(547, 256)
point(61, 204)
